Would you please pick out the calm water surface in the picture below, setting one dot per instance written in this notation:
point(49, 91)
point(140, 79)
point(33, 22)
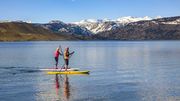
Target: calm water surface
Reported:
point(120, 71)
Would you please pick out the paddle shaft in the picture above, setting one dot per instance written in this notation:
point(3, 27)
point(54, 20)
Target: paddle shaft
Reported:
point(62, 55)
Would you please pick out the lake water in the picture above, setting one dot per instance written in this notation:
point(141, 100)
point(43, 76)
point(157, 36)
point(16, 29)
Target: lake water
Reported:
point(119, 71)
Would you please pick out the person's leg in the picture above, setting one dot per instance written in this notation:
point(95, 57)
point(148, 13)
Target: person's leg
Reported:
point(66, 64)
point(56, 59)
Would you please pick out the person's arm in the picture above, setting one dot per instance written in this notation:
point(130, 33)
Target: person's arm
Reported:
point(71, 53)
point(60, 53)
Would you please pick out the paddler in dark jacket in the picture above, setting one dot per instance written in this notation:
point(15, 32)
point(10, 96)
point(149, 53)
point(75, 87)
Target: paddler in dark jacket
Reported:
point(66, 57)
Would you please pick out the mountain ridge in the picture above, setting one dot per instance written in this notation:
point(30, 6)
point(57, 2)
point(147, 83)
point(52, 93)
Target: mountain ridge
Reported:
point(136, 29)
point(156, 29)
point(100, 25)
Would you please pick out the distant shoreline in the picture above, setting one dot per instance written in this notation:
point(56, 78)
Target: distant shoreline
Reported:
point(84, 40)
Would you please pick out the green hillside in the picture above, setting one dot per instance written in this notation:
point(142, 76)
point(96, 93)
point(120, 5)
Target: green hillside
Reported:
point(18, 31)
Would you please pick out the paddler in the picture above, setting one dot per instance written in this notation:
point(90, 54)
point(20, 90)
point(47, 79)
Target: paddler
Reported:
point(56, 56)
point(66, 57)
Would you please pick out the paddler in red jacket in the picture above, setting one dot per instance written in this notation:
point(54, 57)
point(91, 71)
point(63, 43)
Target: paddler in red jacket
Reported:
point(56, 56)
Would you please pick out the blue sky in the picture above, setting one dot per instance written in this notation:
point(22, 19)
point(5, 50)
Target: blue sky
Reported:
point(43, 11)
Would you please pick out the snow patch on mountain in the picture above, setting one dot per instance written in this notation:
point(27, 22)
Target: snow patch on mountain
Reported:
point(129, 19)
point(177, 21)
point(100, 25)
point(87, 21)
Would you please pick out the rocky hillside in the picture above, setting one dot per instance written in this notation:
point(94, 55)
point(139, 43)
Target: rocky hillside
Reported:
point(157, 29)
point(61, 27)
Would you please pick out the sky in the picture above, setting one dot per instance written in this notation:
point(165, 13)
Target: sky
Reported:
point(42, 11)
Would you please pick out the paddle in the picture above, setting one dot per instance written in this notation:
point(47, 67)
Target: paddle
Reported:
point(62, 55)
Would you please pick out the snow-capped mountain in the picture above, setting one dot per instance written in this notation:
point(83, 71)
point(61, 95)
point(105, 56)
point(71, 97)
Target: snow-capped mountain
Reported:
point(167, 28)
point(61, 27)
point(125, 28)
point(96, 26)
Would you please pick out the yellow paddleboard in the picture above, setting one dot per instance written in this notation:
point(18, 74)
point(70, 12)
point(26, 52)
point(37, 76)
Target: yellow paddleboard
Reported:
point(68, 72)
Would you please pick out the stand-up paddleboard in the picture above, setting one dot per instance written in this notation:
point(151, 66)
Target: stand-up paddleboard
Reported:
point(68, 72)
point(59, 69)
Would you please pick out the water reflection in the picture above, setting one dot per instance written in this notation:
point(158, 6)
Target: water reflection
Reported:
point(57, 84)
point(66, 88)
point(121, 71)
point(62, 87)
